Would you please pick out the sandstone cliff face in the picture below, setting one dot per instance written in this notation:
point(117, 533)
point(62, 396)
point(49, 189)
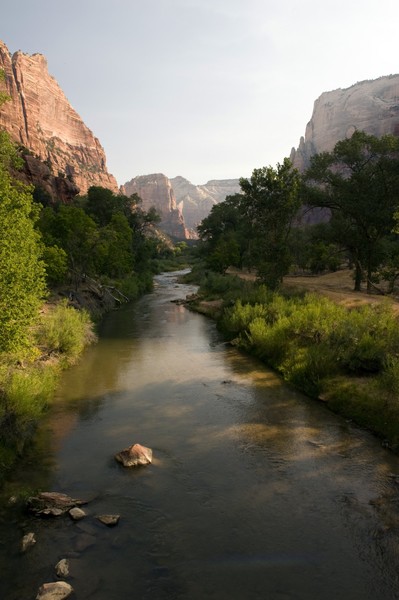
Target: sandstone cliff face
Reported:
point(198, 200)
point(370, 106)
point(39, 117)
point(156, 191)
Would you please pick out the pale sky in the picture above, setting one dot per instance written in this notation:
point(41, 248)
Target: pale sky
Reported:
point(206, 89)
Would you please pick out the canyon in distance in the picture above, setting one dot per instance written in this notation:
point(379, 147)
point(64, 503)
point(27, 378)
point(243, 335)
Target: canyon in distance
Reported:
point(64, 158)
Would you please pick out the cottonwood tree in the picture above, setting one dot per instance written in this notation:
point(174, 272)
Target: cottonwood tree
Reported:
point(225, 234)
point(271, 202)
point(359, 182)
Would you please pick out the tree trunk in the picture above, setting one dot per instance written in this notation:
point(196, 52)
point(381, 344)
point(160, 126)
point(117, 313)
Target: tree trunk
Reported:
point(358, 276)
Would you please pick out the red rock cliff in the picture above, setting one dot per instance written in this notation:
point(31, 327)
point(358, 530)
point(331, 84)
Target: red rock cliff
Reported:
point(39, 117)
point(156, 191)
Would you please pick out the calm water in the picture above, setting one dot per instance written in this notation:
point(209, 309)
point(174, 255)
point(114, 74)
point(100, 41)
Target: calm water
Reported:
point(255, 492)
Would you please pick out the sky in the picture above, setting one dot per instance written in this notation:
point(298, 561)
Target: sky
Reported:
point(206, 89)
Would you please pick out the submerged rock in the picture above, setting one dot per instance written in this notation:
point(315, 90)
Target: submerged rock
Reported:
point(76, 513)
point(52, 504)
point(62, 568)
point(57, 590)
point(135, 456)
point(109, 520)
point(28, 541)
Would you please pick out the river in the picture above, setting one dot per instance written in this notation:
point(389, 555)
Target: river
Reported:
point(255, 492)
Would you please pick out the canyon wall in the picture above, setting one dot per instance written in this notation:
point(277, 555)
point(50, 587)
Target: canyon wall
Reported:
point(197, 200)
point(370, 106)
point(39, 117)
point(156, 191)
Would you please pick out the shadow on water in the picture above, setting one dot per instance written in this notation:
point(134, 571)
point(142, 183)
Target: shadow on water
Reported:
point(255, 491)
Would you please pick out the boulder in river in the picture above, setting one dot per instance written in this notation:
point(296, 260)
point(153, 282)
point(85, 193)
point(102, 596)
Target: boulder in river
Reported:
point(28, 541)
point(57, 590)
point(62, 568)
point(135, 456)
point(76, 513)
point(109, 520)
point(52, 503)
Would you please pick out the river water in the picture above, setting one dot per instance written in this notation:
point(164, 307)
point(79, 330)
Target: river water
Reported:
point(255, 492)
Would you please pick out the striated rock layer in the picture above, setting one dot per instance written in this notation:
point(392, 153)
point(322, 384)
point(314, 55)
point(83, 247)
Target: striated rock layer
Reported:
point(197, 200)
point(156, 191)
point(370, 106)
point(39, 117)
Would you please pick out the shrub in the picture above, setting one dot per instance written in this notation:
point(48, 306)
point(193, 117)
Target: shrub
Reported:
point(65, 331)
point(365, 337)
point(270, 342)
point(389, 378)
point(307, 367)
point(26, 393)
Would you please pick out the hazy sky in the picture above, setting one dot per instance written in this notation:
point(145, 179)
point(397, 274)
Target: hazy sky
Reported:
point(207, 89)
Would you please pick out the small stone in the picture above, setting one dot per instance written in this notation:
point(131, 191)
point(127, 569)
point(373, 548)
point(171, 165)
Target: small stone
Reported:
point(135, 456)
point(62, 568)
point(77, 514)
point(51, 512)
point(57, 590)
point(109, 520)
point(28, 541)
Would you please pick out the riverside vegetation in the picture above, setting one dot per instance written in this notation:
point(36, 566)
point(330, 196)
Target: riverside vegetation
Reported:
point(349, 358)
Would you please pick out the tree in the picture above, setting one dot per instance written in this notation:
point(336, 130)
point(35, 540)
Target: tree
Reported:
point(22, 275)
point(114, 252)
point(71, 229)
point(224, 233)
point(359, 182)
point(271, 203)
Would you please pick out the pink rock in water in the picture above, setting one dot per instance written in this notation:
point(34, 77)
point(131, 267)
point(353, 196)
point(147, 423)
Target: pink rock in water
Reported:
point(54, 591)
point(134, 456)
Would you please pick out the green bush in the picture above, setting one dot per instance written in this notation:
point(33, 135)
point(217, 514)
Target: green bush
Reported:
point(365, 337)
point(25, 393)
point(270, 342)
point(389, 378)
point(65, 331)
point(307, 368)
point(239, 317)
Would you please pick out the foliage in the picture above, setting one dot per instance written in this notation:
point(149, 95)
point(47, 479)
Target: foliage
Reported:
point(225, 234)
point(65, 331)
point(56, 264)
point(26, 393)
point(359, 182)
point(4, 97)
point(22, 275)
point(252, 228)
point(310, 338)
point(271, 205)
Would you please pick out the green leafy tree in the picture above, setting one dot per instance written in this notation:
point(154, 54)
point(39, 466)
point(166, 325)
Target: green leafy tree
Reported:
point(225, 234)
point(71, 229)
point(271, 201)
point(359, 182)
point(22, 275)
point(56, 264)
point(114, 251)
